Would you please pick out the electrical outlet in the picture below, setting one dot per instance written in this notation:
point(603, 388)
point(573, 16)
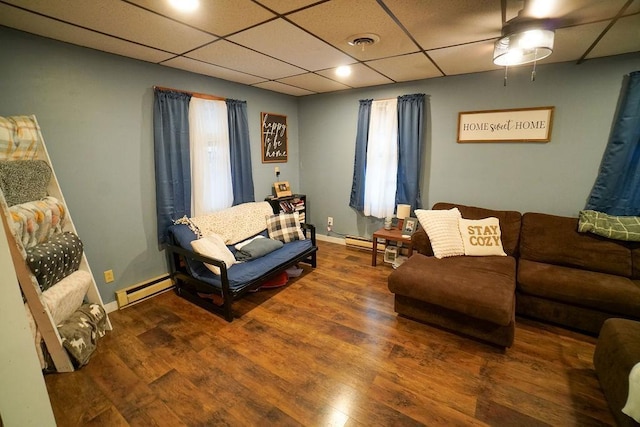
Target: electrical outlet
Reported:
point(108, 276)
point(330, 221)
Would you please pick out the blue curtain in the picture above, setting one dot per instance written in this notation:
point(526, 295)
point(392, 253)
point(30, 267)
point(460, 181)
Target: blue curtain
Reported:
point(617, 188)
point(171, 148)
point(410, 131)
point(240, 148)
point(356, 200)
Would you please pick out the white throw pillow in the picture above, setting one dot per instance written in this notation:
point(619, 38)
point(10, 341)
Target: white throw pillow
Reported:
point(481, 237)
point(213, 246)
point(442, 228)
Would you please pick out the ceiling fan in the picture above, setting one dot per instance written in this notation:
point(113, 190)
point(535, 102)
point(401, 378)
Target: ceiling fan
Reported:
point(528, 37)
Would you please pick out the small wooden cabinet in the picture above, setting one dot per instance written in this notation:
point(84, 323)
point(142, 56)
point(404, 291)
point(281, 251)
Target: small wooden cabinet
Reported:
point(293, 203)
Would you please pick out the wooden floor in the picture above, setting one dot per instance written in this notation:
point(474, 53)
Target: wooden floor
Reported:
point(327, 349)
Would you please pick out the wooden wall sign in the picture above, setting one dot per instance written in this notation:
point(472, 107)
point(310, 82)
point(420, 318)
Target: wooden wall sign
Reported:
point(274, 138)
point(516, 125)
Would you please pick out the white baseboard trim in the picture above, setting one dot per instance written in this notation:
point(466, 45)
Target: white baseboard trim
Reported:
point(110, 307)
point(330, 239)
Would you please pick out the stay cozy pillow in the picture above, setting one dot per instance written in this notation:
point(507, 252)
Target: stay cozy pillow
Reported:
point(481, 237)
point(213, 246)
point(284, 227)
point(442, 228)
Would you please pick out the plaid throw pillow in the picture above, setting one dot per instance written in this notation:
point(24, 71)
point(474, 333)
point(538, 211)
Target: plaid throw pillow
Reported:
point(284, 227)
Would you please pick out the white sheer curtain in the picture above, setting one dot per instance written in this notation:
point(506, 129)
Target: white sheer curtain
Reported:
point(382, 159)
point(211, 188)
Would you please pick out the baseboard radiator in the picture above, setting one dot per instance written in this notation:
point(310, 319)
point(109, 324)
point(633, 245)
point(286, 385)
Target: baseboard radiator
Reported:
point(357, 242)
point(143, 290)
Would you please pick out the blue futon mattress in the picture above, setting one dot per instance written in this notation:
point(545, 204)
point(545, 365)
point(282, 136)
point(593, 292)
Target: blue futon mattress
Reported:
point(239, 275)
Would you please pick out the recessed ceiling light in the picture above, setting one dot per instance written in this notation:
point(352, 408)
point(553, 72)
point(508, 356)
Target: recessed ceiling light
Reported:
point(343, 70)
point(185, 5)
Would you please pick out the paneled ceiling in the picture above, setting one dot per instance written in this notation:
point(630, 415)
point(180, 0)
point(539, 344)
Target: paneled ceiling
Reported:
point(294, 46)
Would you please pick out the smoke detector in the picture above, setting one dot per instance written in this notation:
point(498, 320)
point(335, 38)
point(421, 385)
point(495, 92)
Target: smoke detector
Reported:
point(363, 40)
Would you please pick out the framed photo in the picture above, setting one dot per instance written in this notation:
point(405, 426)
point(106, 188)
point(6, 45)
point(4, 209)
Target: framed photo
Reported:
point(515, 125)
point(409, 226)
point(274, 138)
point(282, 188)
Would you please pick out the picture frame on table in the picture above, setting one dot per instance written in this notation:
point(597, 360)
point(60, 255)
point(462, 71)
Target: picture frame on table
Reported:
point(409, 226)
point(282, 189)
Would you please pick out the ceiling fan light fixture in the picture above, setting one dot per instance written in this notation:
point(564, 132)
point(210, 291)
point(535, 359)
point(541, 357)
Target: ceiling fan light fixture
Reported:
point(185, 5)
point(523, 47)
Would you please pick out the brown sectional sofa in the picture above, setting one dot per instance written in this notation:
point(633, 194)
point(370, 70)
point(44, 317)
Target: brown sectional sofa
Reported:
point(617, 352)
point(552, 273)
point(574, 279)
point(472, 295)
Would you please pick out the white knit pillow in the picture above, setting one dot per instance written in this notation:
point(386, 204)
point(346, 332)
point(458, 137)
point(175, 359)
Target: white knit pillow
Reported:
point(442, 228)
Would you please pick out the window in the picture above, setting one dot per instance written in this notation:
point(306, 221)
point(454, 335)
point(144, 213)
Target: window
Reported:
point(210, 160)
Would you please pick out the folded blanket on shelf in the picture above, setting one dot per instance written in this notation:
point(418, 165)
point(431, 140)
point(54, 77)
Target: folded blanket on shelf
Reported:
point(55, 259)
point(80, 332)
point(64, 298)
point(35, 222)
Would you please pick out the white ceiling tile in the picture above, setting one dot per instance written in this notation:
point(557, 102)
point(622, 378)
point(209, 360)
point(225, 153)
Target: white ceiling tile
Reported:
point(117, 18)
point(360, 76)
point(284, 6)
point(571, 43)
point(283, 88)
point(211, 70)
point(437, 23)
point(624, 37)
point(287, 42)
point(336, 21)
point(46, 27)
point(230, 55)
point(466, 58)
point(405, 68)
point(314, 83)
point(220, 17)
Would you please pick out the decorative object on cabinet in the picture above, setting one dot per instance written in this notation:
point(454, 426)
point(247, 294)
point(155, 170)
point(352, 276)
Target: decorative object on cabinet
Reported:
point(38, 222)
point(282, 188)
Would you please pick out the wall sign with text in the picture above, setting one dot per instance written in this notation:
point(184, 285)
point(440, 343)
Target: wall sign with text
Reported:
point(516, 125)
point(274, 138)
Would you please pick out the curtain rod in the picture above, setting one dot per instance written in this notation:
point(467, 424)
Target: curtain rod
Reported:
point(196, 94)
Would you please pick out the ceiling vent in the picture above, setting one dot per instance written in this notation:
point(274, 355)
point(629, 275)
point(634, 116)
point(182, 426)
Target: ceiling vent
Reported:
point(363, 40)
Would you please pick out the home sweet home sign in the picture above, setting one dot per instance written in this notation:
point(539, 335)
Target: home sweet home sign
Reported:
point(515, 125)
point(274, 138)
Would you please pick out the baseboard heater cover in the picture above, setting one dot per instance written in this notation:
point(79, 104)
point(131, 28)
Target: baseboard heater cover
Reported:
point(362, 243)
point(143, 290)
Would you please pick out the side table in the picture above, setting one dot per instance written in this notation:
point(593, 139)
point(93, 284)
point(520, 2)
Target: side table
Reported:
point(393, 235)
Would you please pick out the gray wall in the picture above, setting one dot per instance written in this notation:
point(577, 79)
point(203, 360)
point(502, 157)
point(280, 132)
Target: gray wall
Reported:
point(95, 111)
point(554, 177)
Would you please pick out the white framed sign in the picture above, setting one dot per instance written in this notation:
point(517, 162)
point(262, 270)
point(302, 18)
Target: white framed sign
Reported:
point(515, 125)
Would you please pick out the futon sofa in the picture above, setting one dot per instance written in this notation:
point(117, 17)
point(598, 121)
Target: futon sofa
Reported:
point(551, 272)
point(203, 253)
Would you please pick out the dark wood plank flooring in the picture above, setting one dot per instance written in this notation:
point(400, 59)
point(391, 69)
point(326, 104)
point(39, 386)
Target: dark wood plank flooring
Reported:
point(327, 349)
